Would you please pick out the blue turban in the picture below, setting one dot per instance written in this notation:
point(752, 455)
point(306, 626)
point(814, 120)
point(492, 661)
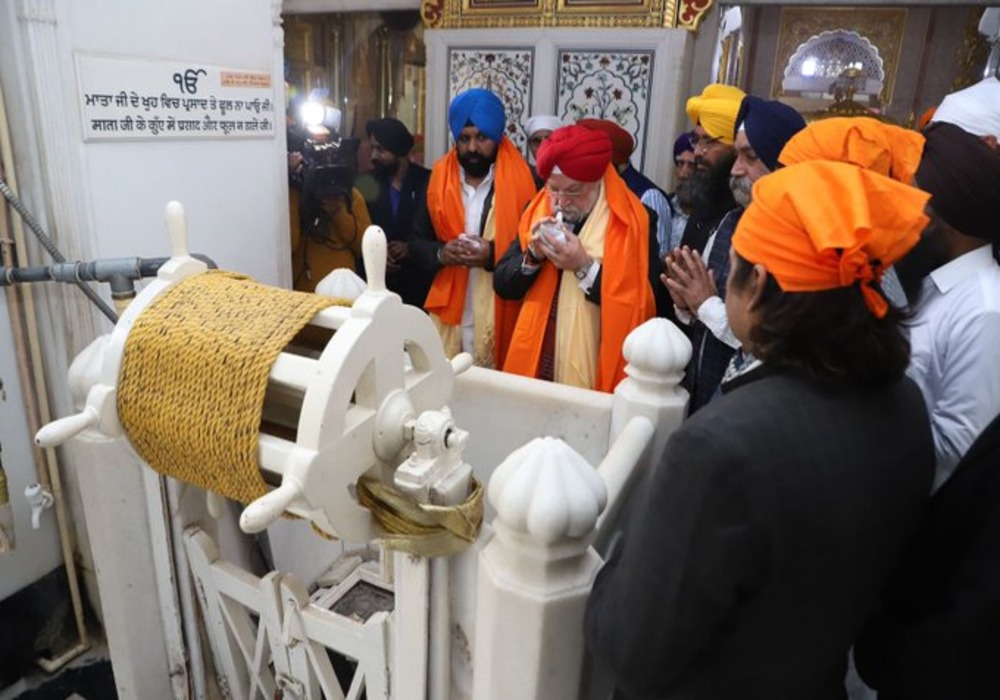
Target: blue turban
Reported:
point(769, 125)
point(684, 142)
point(480, 107)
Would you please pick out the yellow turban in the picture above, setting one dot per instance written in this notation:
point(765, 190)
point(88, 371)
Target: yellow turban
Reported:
point(716, 109)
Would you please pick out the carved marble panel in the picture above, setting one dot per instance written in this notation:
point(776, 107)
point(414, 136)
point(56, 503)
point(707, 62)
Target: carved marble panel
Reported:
point(505, 71)
point(611, 84)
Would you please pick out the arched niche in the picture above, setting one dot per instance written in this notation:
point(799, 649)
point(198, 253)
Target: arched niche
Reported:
point(818, 63)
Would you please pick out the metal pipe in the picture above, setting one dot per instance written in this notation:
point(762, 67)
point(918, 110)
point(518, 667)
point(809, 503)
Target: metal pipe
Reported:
point(47, 243)
point(118, 272)
point(25, 332)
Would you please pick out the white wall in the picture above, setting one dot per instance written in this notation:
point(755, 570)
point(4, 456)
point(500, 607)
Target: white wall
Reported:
point(37, 551)
point(104, 199)
point(229, 188)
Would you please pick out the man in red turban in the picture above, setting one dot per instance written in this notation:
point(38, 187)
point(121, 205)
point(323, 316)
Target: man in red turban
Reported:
point(581, 266)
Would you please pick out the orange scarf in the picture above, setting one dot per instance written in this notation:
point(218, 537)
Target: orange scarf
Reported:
point(626, 296)
point(513, 187)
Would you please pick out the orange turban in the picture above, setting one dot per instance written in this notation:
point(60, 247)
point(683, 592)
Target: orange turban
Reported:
point(822, 225)
point(581, 153)
point(622, 143)
point(716, 109)
point(868, 143)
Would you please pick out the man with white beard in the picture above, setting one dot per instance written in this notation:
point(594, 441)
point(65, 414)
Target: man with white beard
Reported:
point(697, 282)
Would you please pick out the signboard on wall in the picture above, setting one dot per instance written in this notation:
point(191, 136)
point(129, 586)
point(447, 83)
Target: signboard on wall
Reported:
point(138, 99)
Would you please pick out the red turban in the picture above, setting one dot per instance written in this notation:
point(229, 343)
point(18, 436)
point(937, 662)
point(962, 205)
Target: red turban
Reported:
point(622, 143)
point(582, 154)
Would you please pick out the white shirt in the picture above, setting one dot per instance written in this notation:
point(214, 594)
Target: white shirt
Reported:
point(474, 199)
point(955, 353)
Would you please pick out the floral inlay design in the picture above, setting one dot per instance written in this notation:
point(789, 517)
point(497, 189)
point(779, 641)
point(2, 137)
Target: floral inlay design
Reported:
point(613, 85)
point(506, 72)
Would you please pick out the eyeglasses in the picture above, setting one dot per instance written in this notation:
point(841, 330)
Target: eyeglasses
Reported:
point(572, 194)
point(706, 143)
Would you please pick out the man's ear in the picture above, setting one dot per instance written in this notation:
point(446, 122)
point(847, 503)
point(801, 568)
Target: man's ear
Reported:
point(991, 141)
point(758, 281)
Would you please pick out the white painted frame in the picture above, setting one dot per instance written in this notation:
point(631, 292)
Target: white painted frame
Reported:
point(673, 51)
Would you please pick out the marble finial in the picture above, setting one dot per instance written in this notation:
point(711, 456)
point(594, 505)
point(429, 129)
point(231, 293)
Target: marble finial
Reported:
point(657, 348)
point(341, 284)
point(547, 490)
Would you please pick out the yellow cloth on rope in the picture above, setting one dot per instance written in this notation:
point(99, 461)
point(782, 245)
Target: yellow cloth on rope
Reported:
point(194, 373)
point(420, 528)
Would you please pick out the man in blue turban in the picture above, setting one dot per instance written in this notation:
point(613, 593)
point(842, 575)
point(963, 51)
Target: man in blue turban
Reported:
point(697, 283)
point(763, 127)
point(476, 194)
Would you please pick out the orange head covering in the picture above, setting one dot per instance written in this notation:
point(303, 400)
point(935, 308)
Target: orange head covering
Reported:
point(716, 109)
point(868, 143)
point(577, 151)
point(622, 143)
point(822, 225)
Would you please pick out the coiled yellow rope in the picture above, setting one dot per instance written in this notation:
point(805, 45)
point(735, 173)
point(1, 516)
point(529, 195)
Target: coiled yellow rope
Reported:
point(194, 373)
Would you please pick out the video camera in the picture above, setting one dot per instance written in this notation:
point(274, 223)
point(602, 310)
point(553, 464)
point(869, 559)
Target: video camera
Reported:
point(329, 168)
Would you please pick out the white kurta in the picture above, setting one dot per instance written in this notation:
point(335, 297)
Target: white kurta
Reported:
point(955, 353)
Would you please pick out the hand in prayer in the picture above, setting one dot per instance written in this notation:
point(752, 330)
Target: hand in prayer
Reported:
point(452, 253)
point(474, 251)
point(670, 262)
point(688, 279)
point(537, 233)
point(396, 253)
point(566, 253)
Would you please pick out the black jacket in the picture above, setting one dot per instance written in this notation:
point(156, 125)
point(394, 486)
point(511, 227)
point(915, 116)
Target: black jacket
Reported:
point(413, 280)
point(761, 541)
point(938, 636)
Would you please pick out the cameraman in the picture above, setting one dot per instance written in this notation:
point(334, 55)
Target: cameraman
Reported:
point(329, 216)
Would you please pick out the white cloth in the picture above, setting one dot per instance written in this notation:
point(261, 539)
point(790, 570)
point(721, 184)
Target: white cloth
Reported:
point(474, 199)
point(549, 122)
point(975, 109)
point(955, 347)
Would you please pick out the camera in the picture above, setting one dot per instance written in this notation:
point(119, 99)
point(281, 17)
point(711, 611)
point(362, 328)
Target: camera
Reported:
point(329, 168)
point(327, 172)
